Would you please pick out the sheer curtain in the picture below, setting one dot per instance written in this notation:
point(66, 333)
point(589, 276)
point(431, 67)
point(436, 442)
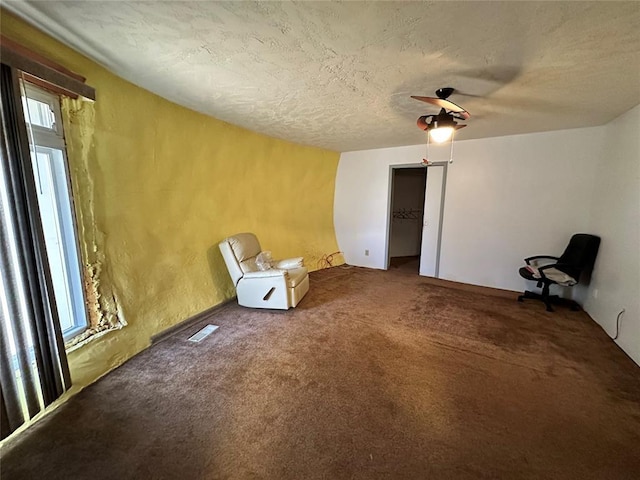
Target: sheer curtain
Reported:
point(33, 365)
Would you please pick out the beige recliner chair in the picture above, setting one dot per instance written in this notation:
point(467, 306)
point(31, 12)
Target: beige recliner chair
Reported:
point(281, 287)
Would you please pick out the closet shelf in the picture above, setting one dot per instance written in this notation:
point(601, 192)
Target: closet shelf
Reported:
point(407, 214)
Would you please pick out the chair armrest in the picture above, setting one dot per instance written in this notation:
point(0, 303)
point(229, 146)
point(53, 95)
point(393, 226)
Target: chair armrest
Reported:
point(537, 257)
point(271, 273)
point(543, 268)
point(289, 263)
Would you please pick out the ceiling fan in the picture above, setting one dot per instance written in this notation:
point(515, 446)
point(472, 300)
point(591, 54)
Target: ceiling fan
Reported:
point(442, 125)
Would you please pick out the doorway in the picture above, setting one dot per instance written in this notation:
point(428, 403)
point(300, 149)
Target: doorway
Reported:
point(408, 187)
point(415, 215)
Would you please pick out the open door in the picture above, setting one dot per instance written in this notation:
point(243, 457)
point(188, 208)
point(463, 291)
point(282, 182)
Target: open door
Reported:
point(432, 221)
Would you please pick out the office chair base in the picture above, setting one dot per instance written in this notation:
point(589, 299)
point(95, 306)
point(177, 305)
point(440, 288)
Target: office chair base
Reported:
point(549, 299)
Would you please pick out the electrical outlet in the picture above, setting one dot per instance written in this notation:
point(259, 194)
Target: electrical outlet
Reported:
point(366, 253)
point(595, 293)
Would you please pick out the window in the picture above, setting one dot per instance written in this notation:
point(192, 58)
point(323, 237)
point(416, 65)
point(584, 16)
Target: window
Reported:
point(40, 271)
point(49, 163)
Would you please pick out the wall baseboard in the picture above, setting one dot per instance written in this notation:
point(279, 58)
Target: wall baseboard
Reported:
point(169, 332)
point(468, 287)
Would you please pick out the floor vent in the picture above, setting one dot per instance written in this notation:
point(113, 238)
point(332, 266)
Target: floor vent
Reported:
point(204, 333)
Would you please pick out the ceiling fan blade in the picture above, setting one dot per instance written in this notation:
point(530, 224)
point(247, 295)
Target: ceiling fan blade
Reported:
point(463, 115)
point(422, 122)
point(446, 104)
point(458, 127)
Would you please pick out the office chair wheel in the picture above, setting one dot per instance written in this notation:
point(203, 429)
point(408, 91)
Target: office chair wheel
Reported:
point(521, 298)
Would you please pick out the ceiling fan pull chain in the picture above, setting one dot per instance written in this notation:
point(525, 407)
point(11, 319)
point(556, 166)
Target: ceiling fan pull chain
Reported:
point(425, 160)
point(453, 134)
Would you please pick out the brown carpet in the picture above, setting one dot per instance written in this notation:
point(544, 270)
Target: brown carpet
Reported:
point(376, 375)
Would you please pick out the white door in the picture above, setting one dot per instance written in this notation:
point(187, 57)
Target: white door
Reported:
point(431, 223)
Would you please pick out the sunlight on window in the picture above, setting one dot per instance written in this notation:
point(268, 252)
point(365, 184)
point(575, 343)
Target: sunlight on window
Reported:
point(38, 113)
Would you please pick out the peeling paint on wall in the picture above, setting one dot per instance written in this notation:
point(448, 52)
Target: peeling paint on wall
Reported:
point(102, 308)
point(104, 314)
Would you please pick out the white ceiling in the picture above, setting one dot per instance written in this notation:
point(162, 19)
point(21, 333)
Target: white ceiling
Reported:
point(339, 75)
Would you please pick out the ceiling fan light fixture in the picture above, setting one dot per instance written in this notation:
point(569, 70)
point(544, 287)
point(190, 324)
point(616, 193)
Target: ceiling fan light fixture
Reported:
point(441, 134)
point(440, 127)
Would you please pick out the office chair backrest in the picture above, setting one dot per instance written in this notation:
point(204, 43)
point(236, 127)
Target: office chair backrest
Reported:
point(580, 254)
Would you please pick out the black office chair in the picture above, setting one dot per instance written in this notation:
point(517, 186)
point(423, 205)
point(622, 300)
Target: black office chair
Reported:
point(578, 258)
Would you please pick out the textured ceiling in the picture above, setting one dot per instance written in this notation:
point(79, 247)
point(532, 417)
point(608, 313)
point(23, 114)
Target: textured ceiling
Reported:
point(339, 75)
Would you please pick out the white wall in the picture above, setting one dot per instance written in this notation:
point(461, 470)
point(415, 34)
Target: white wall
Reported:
point(616, 218)
point(506, 198)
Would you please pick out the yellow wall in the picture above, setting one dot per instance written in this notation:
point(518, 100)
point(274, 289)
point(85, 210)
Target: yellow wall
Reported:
point(157, 186)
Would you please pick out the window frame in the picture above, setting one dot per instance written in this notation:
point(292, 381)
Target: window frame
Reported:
point(53, 138)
